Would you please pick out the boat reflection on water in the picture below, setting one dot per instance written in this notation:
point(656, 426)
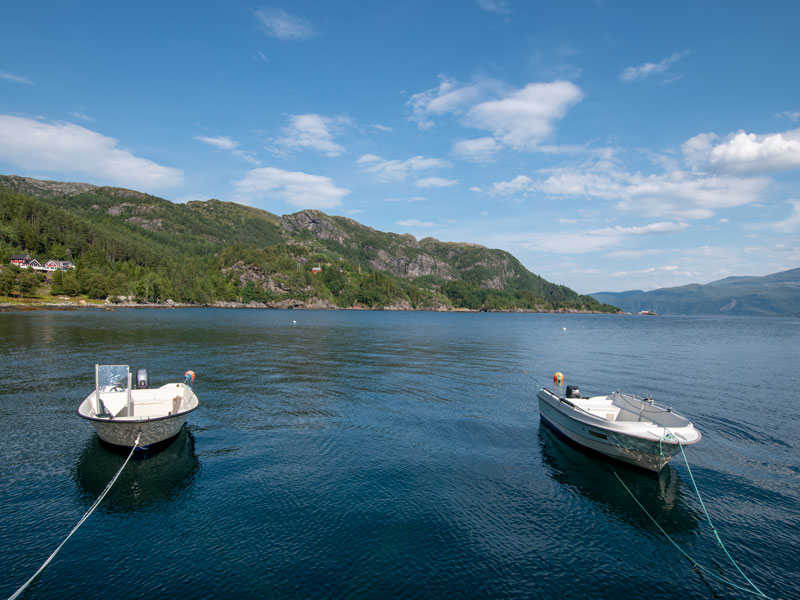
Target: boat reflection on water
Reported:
point(591, 475)
point(158, 475)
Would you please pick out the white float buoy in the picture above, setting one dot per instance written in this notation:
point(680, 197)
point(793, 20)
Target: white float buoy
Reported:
point(564, 329)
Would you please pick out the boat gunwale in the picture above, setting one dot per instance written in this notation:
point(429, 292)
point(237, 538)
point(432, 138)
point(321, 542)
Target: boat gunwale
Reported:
point(133, 420)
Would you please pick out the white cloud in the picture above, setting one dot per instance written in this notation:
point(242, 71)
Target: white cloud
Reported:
point(15, 78)
point(498, 7)
point(222, 142)
point(415, 223)
point(744, 153)
point(435, 182)
point(480, 150)
point(280, 24)
point(448, 97)
point(313, 132)
point(648, 69)
point(697, 149)
point(748, 153)
point(582, 242)
point(71, 149)
point(296, 188)
point(674, 195)
point(379, 127)
point(366, 159)
point(522, 119)
point(397, 170)
point(520, 184)
point(476, 189)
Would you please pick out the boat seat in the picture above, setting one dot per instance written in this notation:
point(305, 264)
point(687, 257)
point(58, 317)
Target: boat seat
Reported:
point(114, 403)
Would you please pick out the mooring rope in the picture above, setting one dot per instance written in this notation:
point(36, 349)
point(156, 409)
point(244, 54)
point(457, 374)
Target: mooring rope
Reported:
point(753, 589)
point(74, 529)
point(711, 524)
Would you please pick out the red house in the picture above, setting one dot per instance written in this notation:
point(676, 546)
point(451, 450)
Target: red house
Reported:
point(21, 260)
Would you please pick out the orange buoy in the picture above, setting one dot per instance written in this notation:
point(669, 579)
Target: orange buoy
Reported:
point(558, 377)
point(189, 375)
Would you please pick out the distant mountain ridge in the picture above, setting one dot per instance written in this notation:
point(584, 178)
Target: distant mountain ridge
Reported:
point(126, 243)
point(777, 294)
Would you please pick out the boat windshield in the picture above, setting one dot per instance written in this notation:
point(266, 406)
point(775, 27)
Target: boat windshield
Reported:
point(112, 376)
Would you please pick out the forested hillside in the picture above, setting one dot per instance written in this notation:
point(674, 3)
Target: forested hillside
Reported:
point(129, 244)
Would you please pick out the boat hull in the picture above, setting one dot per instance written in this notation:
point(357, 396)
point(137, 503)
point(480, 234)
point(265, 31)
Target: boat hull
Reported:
point(649, 454)
point(152, 431)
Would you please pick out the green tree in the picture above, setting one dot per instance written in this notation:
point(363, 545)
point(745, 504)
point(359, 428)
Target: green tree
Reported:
point(27, 283)
point(8, 279)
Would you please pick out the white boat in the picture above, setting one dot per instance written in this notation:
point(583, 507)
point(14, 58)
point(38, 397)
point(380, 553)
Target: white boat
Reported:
point(121, 413)
point(622, 426)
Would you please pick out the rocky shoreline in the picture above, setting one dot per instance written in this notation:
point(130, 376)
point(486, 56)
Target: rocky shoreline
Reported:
point(314, 304)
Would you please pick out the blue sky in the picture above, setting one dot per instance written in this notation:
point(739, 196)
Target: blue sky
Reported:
point(608, 145)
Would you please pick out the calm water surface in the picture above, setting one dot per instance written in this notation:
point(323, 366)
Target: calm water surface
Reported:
point(376, 454)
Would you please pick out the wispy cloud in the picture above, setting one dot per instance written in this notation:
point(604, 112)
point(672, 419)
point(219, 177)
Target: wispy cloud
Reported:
point(648, 69)
point(15, 78)
point(68, 148)
point(415, 223)
point(278, 23)
point(222, 142)
point(791, 223)
point(313, 132)
point(228, 144)
point(448, 97)
point(595, 240)
point(480, 150)
point(792, 115)
point(521, 184)
point(398, 170)
point(498, 7)
point(676, 194)
point(435, 182)
point(293, 187)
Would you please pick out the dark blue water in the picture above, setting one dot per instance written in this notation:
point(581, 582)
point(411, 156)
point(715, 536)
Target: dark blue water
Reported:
point(376, 454)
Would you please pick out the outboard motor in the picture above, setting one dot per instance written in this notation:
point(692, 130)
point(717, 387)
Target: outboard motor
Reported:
point(142, 380)
point(573, 391)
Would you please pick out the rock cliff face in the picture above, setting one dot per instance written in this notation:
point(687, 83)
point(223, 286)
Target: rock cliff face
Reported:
point(318, 224)
point(402, 255)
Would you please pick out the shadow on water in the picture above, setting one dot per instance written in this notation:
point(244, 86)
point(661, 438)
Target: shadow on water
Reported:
point(160, 474)
point(592, 477)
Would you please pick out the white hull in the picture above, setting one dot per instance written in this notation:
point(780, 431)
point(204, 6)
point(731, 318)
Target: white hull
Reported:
point(152, 415)
point(613, 429)
point(125, 434)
